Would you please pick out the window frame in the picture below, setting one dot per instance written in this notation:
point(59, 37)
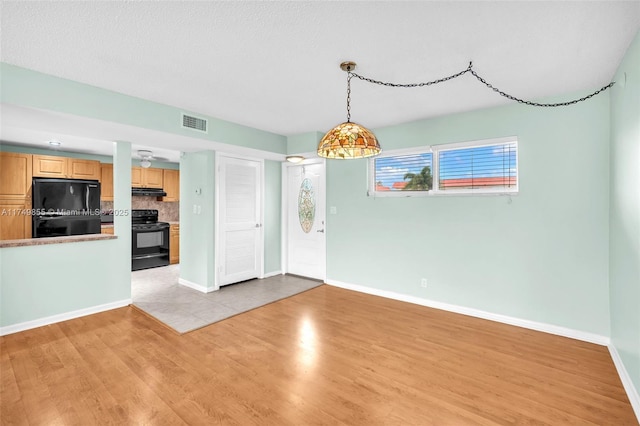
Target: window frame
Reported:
point(435, 151)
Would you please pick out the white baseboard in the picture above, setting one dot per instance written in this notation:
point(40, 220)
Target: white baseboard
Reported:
point(195, 286)
point(27, 325)
point(632, 392)
point(272, 274)
point(519, 322)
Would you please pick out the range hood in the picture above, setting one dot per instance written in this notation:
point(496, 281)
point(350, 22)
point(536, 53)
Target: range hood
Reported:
point(148, 192)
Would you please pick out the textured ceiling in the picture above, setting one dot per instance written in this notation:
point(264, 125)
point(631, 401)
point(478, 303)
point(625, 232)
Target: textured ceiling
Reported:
point(274, 65)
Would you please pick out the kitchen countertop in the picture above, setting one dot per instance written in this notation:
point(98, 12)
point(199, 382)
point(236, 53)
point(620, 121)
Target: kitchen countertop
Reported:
point(55, 240)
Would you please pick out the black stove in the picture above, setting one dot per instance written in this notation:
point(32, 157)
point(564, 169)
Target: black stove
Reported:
point(150, 240)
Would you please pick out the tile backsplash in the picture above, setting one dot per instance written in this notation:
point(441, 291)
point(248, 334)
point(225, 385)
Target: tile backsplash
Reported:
point(167, 211)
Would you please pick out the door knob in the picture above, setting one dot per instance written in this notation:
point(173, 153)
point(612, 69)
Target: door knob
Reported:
point(320, 230)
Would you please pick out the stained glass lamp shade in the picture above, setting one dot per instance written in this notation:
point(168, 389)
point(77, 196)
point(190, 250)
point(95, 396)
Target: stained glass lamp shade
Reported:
point(349, 140)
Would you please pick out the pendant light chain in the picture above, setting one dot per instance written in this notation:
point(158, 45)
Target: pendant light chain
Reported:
point(522, 101)
point(470, 70)
point(428, 83)
point(349, 77)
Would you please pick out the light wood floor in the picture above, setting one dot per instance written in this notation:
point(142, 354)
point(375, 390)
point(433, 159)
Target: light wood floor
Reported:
point(326, 356)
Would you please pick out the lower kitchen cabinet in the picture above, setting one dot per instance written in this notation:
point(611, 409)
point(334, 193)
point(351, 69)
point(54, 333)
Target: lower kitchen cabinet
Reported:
point(174, 244)
point(108, 230)
point(15, 219)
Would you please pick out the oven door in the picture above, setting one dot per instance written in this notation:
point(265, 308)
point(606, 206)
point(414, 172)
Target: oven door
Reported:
point(149, 246)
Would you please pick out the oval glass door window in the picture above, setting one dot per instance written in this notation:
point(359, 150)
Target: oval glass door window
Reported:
point(306, 205)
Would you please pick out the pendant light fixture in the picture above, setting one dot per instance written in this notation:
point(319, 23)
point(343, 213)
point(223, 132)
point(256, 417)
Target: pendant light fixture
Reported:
point(348, 140)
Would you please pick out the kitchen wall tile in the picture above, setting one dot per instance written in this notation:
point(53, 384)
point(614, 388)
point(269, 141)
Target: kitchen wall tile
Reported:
point(167, 211)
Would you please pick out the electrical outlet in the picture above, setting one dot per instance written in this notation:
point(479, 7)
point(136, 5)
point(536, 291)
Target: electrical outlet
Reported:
point(423, 283)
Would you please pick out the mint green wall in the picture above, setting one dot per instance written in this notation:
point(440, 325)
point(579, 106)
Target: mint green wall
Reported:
point(24, 87)
point(101, 158)
point(272, 217)
point(197, 255)
point(304, 142)
point(624, 258)
point(541, 255)
point(41, 281)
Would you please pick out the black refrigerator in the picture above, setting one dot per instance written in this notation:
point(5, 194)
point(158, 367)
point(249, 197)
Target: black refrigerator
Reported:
point(65, 207)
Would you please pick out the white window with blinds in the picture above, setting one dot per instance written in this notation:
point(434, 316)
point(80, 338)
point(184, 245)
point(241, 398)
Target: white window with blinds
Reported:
point(478, 167)
point(396, 174)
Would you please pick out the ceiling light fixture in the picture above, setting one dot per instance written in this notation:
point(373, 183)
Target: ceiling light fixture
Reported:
point(294, 158)
point(145, 158)
point(349, 140)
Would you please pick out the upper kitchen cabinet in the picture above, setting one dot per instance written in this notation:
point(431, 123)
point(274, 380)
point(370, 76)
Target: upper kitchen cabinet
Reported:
point(106, 182)
point(84, 169)
point(50, 166)
point(15, 175)
point(152, 178)
point(146, 178)
point(65, 167)
point(136, 177)
point(171, 185)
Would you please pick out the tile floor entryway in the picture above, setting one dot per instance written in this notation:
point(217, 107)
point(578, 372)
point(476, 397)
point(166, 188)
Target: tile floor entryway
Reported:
point(156, 291)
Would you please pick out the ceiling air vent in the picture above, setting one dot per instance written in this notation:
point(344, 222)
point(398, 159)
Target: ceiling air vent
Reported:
point(195, 123)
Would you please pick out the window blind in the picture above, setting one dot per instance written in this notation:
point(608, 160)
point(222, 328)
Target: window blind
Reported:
point(479, 167)
point(411, 172)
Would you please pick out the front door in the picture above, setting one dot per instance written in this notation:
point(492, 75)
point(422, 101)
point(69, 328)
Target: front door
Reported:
point(239, 219)
point(306, 236)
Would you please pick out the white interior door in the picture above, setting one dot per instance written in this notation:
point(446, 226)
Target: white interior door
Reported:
point(306, 237)
point(239, 223)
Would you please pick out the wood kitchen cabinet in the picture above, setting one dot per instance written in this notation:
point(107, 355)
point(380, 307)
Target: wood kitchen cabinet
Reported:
point(105, 230)
point(106, 182)
point(84, 169)
point(15, 219)
point(15, 175)
point(65, 167)
point(146, 178)
point(15, 195)
point(174, 244)
point(171, 185)
point(136, 177)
